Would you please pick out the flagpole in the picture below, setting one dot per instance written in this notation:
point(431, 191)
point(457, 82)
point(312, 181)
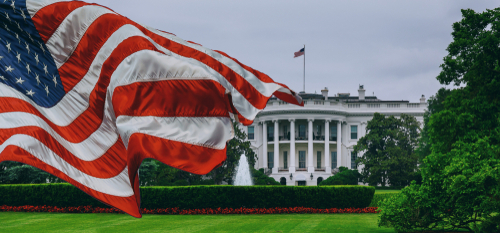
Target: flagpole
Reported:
point(304, 68)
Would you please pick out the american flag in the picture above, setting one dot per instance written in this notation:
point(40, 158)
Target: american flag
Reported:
point(86, 94)
point(299, 53)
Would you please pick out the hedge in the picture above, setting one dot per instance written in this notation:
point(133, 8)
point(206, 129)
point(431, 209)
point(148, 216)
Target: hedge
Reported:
point(197, 197)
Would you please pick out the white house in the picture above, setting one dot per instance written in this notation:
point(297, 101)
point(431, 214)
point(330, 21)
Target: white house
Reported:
point(302, 145)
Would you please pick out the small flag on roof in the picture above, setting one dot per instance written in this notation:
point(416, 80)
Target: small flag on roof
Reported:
point(301, 52)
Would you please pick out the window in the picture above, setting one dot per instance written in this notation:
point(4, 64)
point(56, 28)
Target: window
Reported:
point(286, 135)
point(301, 183)
point(270, 160)
point(302, 131)
point(334, 159)
point(318, 130)
point(302, 159)
point(251, 132)
point(353, 161)
point(319, 180)
point(285, 159)
point(283, 181)
point(318, 159)
point(270, 133)
point(354, 132)
point(333, 132)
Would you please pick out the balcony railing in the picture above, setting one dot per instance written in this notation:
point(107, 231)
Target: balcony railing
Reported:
point(300, 138)
point(301, 169)
point(285, 138)
point(282, 169)
point(333, 138)
point(319, 169)
point(270, 139)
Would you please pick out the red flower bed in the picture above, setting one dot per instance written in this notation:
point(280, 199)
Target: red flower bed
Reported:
point(290, 210)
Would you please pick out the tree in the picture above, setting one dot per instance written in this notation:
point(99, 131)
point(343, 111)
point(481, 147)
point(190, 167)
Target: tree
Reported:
point(435, 104)
point(18, 173)
point(388, 147)
point(461, 176)
point(235, 148)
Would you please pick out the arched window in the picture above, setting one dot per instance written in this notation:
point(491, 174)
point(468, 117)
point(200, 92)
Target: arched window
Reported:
point(283, 181)
point(319, 180)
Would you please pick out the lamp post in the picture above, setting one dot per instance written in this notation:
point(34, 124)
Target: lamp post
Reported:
point(312, 176)
point(291, 176)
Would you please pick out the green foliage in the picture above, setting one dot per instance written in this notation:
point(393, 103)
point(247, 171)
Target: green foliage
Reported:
point(259, 178)
point(194, 197)
point(379, 197)
point(461, 176)
point(18, 173)
point(345, 176)
point(435, 104)
point(388, 148)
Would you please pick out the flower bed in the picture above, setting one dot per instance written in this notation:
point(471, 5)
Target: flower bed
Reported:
point(177, 211)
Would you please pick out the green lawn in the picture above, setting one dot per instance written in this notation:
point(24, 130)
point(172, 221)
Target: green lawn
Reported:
point(386, 191)
point(40, 222)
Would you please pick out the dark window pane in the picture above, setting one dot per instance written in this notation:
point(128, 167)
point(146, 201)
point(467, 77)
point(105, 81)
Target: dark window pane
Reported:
point(353, 161)
point(334, 159)
point(270, 160)
point(302, 159)
point(285, 159)
point(251, 132)
point(318, 159)
point(354, 132)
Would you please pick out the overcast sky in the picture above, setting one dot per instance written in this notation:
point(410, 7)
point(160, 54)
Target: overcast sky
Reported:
point(394, 47)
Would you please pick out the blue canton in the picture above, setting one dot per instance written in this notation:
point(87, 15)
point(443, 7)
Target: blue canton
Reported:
point(25, 63)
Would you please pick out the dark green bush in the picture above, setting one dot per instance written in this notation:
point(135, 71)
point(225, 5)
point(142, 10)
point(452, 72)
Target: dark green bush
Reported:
point(344, 177)
point(194, 197)
point(259, 178)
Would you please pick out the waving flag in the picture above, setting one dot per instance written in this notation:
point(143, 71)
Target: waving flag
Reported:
point(299, 53)
point(86, 94)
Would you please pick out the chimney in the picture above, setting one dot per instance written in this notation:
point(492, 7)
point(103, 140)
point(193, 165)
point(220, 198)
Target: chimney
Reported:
point(325, 93)
point(422, 100)
point(361, 92)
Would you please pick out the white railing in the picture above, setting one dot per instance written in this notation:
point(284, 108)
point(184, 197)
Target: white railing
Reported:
point(392, 105)
point(354, 105)
point(373, 105)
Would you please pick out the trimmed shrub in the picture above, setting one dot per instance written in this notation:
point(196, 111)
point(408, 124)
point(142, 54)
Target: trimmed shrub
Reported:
point(197, 197)
point(344, 177)
point(259, 178)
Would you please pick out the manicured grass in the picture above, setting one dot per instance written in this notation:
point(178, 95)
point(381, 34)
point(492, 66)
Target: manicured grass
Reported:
point(386, 191)
point(38, 222)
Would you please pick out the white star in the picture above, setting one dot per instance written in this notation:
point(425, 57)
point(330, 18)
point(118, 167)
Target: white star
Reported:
point(24, 16)
point(17, 37)
point(28, 68)
point(2, 78)
point(47, 89)
point(20, 80)
point(13, 6)
point(36, 59)
point(9, 69)
point(1, 58)
point(29, 35)
point(6, 28)
point(27, 47)
point(55, 80)
point(45, 69)
point(37, 79)
point(30, 93)
point(41, 46)
point(7, 16)
point(8, 47)
point(18, 56)
point(19, 26)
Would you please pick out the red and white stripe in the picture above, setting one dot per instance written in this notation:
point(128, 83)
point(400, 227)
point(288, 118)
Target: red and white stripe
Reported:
point(132, 93)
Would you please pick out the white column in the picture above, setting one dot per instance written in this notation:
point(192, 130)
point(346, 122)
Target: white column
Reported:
point(276, 146)
point(264, 145)
point(328, 166)
point(292, 146)
point(339, 144)
point(310, 163)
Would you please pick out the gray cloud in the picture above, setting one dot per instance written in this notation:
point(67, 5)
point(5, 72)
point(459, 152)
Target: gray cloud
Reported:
point(392, 47)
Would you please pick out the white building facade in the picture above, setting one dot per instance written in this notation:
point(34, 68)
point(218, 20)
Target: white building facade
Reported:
point(304, 145)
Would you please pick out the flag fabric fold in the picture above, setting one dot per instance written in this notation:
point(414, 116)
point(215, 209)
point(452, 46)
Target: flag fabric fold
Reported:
point(86, 94)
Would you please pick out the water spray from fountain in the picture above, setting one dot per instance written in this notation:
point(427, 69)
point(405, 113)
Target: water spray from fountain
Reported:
point(243, 176)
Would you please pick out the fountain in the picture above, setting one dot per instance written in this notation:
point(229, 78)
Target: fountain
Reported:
point(243, 176)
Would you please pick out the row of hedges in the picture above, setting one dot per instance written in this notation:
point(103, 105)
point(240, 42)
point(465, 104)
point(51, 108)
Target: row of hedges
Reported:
point(196, 197)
